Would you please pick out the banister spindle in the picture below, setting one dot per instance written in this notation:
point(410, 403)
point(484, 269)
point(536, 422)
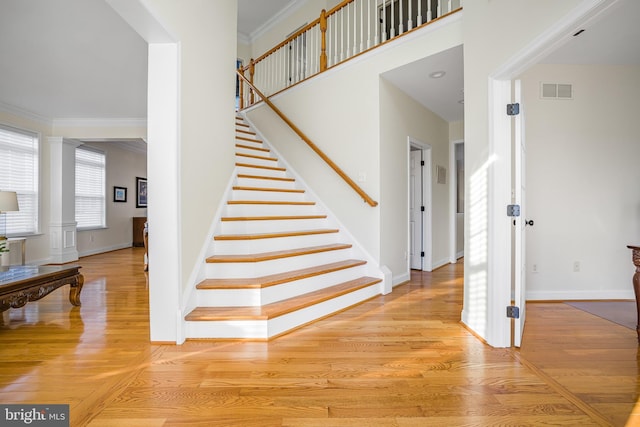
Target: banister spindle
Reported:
point(323, 40)
point(419, 19)
point(393, 20)
point(410, 20)
point(241, 87)
point(401, 19)
point(252, 70)
point(429, 12)
point(384, 21)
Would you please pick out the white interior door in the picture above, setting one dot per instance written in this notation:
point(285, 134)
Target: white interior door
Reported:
point(521, 221)
point(415, 210)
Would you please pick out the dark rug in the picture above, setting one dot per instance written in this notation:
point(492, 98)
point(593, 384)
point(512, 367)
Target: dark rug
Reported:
point(620, 312)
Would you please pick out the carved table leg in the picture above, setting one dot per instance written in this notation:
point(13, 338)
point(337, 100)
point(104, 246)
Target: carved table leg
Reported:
point(75, 289)
point(636, 287)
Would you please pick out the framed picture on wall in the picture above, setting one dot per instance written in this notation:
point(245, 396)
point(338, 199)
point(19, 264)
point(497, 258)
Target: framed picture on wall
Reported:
point(141, 192)
point(120, 194)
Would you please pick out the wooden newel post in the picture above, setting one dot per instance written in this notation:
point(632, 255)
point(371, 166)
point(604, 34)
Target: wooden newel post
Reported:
point(636, 284)
point(323, 40)
point(252, 70)
point(241, 91)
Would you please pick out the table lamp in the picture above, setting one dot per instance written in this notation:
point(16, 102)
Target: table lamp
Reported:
point(8, 203)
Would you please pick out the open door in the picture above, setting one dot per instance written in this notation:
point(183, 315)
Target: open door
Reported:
point(521, 221)
point(415, 210)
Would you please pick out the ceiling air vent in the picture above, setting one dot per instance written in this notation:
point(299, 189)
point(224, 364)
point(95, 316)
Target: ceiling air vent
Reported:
point(556, 91)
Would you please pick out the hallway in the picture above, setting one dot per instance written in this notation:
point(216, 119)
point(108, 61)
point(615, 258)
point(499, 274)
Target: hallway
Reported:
point(402, 359)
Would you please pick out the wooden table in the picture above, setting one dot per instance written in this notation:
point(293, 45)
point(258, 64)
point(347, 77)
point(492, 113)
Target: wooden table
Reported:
point(636, 284)
point(20, 284)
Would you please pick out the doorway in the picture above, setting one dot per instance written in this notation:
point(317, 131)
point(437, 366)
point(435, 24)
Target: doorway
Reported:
point(420, 209)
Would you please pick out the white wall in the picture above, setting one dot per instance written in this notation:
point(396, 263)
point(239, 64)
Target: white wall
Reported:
point(582, 181)
point(401, 117)
point(495, 32)
point(340, 111)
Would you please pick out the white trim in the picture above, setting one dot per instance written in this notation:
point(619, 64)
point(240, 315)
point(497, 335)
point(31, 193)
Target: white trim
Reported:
point(100, 122)
point(284, 13)
point(26, 114)
point(453, 202)
point(401, 279)
point(573, 295)
point(427, 200)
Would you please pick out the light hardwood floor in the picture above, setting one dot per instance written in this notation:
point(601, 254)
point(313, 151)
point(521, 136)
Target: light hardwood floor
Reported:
point(398, 360)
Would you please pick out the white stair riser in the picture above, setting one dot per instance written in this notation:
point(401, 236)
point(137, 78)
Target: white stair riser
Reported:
point(242, 150)
point(257, 297)
point(265, 183)
point(247, 170)
point(240, 270)
point(253, 329)
point(271, 226)
point(228, 329)
point(245, 247)
point(267, 195)
point(262, 210)
point(257, 162)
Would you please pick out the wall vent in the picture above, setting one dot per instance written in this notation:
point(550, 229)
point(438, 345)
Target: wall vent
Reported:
point(556, 91)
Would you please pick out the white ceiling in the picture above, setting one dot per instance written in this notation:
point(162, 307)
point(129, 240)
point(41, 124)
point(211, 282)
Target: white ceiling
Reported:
point(71, 59)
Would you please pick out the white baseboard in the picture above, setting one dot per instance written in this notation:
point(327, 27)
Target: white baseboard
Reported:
point(460, 254)
point(104, 249)
point(401, 278)
point(572, 295)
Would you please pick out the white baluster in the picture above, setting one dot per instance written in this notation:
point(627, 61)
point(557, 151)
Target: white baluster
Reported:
point(361, 27)
point(429, 13)
point(410, 20)
point(368, 24)
point(449, 5)
point(346, 30)
point(384, 21)
point(419, 13)
point(376, 24)
point(439, 8)
point(335, 42)
point(342, 34)
point(393, 20)
point(355, 28)
point(401, 19)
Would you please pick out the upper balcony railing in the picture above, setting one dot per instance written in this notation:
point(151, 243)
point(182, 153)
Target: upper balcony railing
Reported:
point(349, 29)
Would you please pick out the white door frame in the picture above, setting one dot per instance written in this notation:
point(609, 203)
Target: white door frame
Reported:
point(427, 234)
point(453, 204)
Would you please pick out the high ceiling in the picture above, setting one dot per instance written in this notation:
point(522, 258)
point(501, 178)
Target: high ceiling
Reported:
point(75, 59)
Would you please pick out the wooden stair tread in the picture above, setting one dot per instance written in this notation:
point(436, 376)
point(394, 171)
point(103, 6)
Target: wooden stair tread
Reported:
point(274, 235)
point(266, 256)
point(272, 218)
point(248, 147)
point(274, 168)
point(248, 132)
point(249, 139)
point(279, 190)
point(280, 308)
point(268, 202)
point(279, 278)
point(253, 156)
point(274, 178)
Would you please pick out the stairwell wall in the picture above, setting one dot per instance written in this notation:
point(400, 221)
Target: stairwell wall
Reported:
point(340, 110)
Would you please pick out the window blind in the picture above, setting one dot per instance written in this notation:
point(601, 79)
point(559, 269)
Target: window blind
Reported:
point(19, 154)
point(90, 188)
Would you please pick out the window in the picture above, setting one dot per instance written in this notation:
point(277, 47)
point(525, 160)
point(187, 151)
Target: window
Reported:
point(90, 188)
point(19, 172)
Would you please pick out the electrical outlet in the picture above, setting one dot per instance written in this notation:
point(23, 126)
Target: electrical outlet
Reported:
point(576, 266)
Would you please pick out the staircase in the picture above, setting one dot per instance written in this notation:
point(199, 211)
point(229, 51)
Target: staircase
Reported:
point(276, 261)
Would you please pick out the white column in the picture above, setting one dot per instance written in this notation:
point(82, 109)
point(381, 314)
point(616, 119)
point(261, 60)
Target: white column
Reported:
point(62, 228)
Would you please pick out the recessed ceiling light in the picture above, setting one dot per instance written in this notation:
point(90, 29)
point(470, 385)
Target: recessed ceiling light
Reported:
point(437, 74)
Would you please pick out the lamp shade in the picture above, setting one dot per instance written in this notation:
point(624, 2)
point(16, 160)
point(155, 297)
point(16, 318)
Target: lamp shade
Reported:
point(8, 201)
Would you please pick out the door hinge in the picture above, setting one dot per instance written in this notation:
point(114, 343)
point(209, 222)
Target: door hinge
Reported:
point(422, 208)
point(513, 210)
point(513, 109)
point(513, 312)
point(422, 254)
point(421, 162)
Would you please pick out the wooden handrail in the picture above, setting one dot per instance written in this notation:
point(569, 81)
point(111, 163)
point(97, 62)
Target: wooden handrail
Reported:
point(310, 143)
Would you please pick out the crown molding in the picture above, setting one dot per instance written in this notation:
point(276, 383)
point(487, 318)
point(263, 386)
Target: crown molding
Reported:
point(25, 114)
point(288, 10)
point(100, 122)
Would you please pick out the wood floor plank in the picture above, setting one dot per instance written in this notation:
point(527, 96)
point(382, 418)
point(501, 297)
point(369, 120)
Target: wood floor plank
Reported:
point(401, 360)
